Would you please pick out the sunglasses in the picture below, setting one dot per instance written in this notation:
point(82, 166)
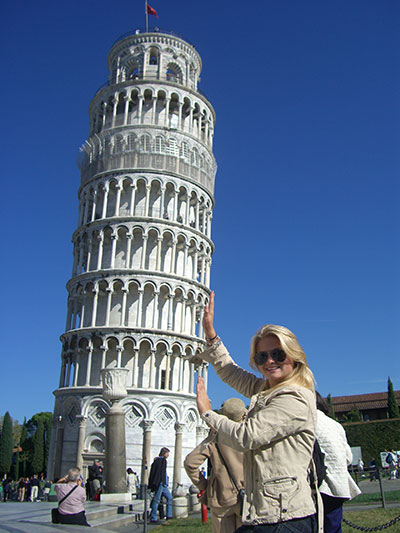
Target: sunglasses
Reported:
point(278, 355)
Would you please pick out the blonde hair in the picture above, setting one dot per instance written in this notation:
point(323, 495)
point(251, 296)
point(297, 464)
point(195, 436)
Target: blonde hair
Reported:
point(301, 374)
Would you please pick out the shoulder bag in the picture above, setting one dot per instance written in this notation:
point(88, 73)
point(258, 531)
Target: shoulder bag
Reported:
point(240, 492)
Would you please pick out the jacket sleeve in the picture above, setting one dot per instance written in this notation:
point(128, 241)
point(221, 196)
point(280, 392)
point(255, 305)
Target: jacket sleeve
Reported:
point(194, 460)
point(244, 382)
point(285, 413)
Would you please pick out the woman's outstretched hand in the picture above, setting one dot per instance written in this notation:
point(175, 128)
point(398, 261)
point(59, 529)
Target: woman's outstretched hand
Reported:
point(208, 318)
point(203, 401)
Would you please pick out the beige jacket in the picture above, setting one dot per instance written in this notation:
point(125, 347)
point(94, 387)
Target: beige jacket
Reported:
point(277, 439)
point(220, 490)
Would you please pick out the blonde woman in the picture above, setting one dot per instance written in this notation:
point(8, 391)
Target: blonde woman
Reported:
point(277, 435)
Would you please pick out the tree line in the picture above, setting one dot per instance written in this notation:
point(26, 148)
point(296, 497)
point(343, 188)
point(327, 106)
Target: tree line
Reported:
point(24, 449)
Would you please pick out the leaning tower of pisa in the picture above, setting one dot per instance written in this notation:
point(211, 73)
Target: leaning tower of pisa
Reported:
point(141, 257)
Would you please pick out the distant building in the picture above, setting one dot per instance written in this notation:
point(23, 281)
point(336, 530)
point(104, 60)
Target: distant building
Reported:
point(373, 406)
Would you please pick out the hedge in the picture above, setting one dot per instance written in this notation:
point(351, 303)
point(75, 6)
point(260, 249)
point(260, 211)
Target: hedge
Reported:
point(374, 437)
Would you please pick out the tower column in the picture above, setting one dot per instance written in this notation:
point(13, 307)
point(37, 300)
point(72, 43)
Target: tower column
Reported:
point(117, 200)
point(81, 438)
point(89, 365)
point(94, 310)
point(159, 247)
point(148, 424)
point(105, 202)
point(144, 250)
point(132, 204)
point(178, 453)
point(123, 307)
point(100, 238)
point(114, 238)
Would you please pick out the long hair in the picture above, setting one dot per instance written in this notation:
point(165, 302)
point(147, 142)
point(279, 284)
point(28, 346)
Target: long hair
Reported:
point(301, 374)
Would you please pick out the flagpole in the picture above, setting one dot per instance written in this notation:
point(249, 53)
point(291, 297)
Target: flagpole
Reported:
point(147, 17)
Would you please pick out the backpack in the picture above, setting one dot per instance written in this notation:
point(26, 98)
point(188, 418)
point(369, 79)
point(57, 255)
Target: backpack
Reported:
point(389, 458)
point(319, 461)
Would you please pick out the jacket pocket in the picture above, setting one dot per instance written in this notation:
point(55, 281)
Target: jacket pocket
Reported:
point(281, 490)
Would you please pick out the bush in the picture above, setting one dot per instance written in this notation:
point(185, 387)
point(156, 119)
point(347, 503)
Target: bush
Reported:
point(374, 437)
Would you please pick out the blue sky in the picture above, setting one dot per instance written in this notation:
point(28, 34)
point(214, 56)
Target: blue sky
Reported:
point(306, 221)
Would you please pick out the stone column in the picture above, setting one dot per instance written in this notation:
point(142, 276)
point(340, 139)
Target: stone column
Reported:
point(178, 453)
point(123, 310)
point(128, 250)
point(132, 204)
point(114, 389)
point(59, 447)
point(201, 433)
point(81, 438)
point(147, 202)
point(105, 201)
point(117, 200)
point(148, 424)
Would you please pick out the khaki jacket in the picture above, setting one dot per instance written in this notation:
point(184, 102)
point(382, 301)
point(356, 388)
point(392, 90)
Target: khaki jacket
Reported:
point(220, 490)
point(277, 439)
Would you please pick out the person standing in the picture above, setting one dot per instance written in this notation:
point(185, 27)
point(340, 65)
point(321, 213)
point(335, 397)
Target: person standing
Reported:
point(131, 482)
point(226, 477)
point(95, 478)
point(158, 483)
point(278, 433)
point(337, 486)
point(34, 488)
point(391, 461)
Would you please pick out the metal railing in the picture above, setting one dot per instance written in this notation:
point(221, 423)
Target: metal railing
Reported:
point(155, 29)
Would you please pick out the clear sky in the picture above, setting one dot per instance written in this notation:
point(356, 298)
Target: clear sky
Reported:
point(306, 219)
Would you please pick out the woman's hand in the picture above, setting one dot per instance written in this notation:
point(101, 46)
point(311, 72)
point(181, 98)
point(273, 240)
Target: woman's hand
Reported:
point(203, 401)
point(208, 318)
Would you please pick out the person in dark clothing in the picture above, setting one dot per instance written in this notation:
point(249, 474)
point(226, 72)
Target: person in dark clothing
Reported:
point(158, 483)
point(95, 478)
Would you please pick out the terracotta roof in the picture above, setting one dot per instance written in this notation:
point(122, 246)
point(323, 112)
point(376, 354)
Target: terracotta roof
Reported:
point(362, 402)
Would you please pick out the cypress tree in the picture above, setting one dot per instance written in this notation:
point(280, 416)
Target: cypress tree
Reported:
point(6, 445)
point(393, 408)
point(23, 441)
point(38, 448)
point(331, 410)
point(47, 443)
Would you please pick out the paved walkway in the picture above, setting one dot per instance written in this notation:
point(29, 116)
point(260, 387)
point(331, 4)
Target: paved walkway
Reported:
point(35, 517)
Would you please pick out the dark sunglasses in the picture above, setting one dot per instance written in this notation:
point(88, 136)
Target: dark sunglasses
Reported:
point(278, 355)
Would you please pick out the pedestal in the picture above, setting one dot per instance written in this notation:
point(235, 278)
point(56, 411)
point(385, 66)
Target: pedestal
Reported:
point(115, 451)
point(179, 507)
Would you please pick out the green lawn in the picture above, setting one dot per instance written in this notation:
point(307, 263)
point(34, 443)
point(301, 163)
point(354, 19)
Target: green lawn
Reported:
point(367, 518)
point(371, 518)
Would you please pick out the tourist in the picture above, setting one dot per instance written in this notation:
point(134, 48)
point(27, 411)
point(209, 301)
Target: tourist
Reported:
point(21, 489)
point(71, 497)
point(223, 486)
point(131, 482)
point(337, 486)
point(95, 478)
point(391, 461)
point(158, 483)
point(34, 489)
point(277, 436)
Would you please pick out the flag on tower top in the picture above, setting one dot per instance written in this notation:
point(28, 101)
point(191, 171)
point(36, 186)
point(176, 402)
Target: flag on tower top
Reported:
point(151, 10)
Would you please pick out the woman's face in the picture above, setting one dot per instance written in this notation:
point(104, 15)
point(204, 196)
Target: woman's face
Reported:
point(273, 371)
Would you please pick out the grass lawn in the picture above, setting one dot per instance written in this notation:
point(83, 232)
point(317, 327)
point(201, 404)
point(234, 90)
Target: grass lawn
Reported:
point(371, 518)
point(367, 518)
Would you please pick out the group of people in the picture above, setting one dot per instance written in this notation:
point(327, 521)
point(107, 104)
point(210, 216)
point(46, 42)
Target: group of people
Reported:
point(263, 477)
point(268, 449)
point(26, 489)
